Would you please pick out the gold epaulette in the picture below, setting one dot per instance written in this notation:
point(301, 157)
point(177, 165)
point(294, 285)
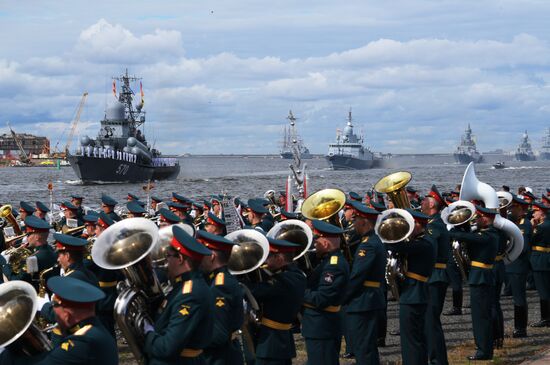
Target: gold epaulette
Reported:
point(187, 287)
point(220, 279)
point(334, 260)
point(83, 330)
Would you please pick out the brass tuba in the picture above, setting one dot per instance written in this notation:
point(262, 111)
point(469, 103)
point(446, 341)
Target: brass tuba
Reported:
point(504, 199)
point(126, 245)
point(395, 225)
point(7, 214)
point(165, 238)
point(18, 306)
point(298, 232)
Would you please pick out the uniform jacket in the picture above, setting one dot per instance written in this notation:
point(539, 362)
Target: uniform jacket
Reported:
point(540, 261)
point(441, 237)
point(521, 265)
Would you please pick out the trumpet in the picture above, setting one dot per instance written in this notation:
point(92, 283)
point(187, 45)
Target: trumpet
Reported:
point(14, 239)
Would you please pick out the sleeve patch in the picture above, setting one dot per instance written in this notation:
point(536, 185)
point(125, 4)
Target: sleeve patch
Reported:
point(220, 279)
point(220, 302)
point(83, 330)
point(362, 253)
point(334, 260)
point(187, 287)
point(67, 345)
point(184, 311)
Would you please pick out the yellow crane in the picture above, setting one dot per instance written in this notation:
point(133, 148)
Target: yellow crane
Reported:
point(23, 157)
point(75, 121)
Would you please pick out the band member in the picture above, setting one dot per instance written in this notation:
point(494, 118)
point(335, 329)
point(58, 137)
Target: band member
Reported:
point(167, 218)
point(43, 256)
point(322, 321)
point(227, 296)
point(257, 214)
point(108, 207)
point(365, 300)
point(25, 210)
point(540, 261)
point(76, 200)
point(90, 221)
point(134, 209)
point(181, 210)
point(354, 196)
point(214, 225)
point(482, 250)
point(69, 212)
point(281, 200)
point(131, 197)
point(516, 272)
point(216, 207)
point(439, 281)
point(41, 210)
point(414, 297)
point(545, 200)
point(155, 200)
point(413, 196)
point(85, 340)
point(184, 323)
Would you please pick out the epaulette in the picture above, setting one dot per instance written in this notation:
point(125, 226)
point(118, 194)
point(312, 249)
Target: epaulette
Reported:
point(83, 330)
point(220, 279)
point(365, 239)
point(187, 287)
point(334, 260)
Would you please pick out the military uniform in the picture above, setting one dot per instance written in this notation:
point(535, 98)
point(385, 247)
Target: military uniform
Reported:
point(482, 250)
point(107, 200)
point(540, 262)
point(500, 272)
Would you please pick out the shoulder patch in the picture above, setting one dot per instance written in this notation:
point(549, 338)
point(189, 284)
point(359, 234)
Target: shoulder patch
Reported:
point(334, 260)
point(83, 330)
point(365, 239)
point(220, 279)
point(184, 311)
point(362, 253)
point(187, 287)
point(67, 345)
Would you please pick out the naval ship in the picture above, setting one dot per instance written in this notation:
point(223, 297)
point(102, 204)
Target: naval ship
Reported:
point(545, 150)
point(290, 135)
point(348, 152)
point(524, 152)
point(466, 151)
point(120, 153)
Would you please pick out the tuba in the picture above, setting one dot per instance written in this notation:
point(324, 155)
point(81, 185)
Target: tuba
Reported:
point(504, 199)
point(459, 213)
point(7, 214)
point(473, 189)
point(126, 245)
point(18, 306)
point(165, 237)
point(298, 232)
point(395, 225)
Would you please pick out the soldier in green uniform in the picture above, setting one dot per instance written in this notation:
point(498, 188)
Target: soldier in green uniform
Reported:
point(184, 323)
point(131, 197)
point(413, 196)
point(135, 210)
point(108, 207)
point(414, 295)
point(167, 218)
point(540, 261)
point(25, 210)
point(41, 210)
point(70, 212)
point(90, 222)
point(439, 281)
point(43, 256)
point(364, 299)
point(77, 199)
point(214, 225)
point(85, 340)
point(155, 201)
point(258, 215)
point(227, 296)
point(482, 250)
point(322, 319)
point(280, 298)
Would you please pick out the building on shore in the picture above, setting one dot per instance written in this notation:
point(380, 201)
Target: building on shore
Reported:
point(34, 146)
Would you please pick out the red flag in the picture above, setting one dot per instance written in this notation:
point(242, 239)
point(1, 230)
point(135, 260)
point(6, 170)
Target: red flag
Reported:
point(141, 91)
point(114, 88)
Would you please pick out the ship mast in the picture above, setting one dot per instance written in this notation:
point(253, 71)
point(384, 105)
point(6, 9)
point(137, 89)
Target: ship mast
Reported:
point(135, 117)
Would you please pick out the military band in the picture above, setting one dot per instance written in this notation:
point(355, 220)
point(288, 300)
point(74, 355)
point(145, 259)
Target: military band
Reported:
point(209, 312)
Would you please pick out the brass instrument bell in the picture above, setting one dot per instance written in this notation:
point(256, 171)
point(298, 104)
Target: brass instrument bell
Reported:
point(394, 185)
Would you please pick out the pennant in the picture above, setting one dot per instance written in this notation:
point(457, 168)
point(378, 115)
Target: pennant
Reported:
point(141, 91)
point(114, 88)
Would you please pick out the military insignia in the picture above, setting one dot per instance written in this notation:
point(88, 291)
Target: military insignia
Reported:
point(329, 278)
point(334, 260)
point(220, 279)
point(430, 231)
point(187, 287)
point(365, 239)
point(220, 302)
point(362, 253)
point(82, 331)
point(67, 345)
point(184, 311)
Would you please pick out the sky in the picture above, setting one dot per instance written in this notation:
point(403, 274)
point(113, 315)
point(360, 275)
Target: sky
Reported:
point(221, 76)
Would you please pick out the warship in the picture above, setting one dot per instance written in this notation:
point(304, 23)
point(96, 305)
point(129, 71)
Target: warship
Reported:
point(466, 151)
point(545, 149)
point(120, 153)
point(290, 135)
point(524, 152)
point(348, 152)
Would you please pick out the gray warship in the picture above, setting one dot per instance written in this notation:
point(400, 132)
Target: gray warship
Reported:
point(466, 151)
point(524, 152)
point(290, 135)
point(545, 149)
point(348, 152)
point(120, 153)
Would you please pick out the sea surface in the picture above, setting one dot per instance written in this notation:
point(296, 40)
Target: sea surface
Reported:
point(249, 177)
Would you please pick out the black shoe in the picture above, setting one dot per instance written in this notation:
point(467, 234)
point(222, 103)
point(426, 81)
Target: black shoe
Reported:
point(478, 357)
point(454, 312)
point(395, 333)
point(519, 333)
point(348, 355)
point(381, 342)
point(543, 323)
point(497, 343)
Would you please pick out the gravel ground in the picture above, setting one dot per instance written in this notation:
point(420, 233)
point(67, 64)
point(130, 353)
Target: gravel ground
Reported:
point(458, 335)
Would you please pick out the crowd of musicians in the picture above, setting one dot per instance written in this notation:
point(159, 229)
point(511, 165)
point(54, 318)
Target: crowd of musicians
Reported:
point(337, 290)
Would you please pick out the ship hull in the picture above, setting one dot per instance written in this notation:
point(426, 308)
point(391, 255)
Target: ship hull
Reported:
point(464, 158)
point(290, 156)
point(524, 157)
point(545, 156)
point(338, 162)
point(92, 170)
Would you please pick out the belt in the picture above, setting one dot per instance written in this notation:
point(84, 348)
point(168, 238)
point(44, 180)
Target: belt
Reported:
point(190, 353)
point(371, 284)
point(276, 325)
point(541, 248)
point(414, 276)
point(107, 284)
point(481, 265)
point(499, 258)
point(330, 308)
point(439, 265)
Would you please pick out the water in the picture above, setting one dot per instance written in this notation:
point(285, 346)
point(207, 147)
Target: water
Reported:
point(252, 176)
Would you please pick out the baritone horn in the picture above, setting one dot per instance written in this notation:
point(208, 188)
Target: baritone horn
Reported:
point(298, 232)
point(126, 246)
point(6, 212)
point(18, 306)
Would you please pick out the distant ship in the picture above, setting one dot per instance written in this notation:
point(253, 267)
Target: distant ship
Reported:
point(348, 152)
point(291, 135)
point(524, 152)
point(545, 150)
point(466, 152)
point(120, 153)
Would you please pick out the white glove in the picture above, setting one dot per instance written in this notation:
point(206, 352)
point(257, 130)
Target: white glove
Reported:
point(147, 327)
point(6, 256)
point(40, 302)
